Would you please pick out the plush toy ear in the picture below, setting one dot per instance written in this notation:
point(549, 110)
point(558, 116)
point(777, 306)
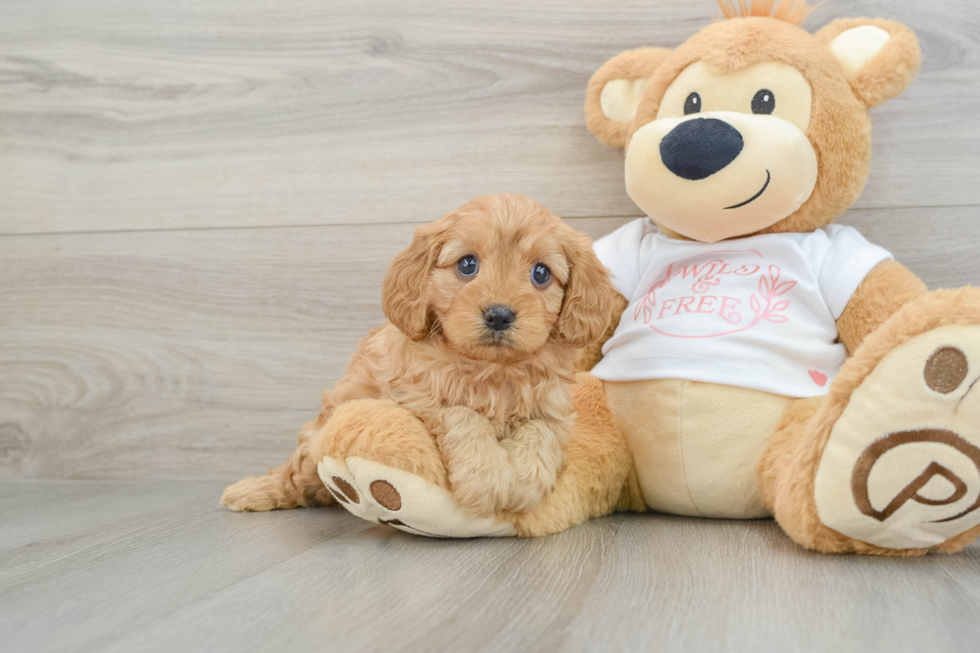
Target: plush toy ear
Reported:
point(614, 93)
point(879, 57)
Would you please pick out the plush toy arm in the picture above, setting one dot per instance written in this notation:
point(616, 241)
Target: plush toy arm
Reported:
point(887, 288)
point(592, 354)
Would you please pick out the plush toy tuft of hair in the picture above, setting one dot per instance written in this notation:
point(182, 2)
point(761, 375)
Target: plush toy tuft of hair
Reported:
point(789, 11)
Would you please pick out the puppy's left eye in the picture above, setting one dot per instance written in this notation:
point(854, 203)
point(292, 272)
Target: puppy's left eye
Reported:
point(764, 102)
point(540, 274)
point(467, 266)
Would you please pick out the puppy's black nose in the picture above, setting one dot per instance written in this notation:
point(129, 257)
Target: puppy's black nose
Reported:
point(699, 148)
point(499, 318)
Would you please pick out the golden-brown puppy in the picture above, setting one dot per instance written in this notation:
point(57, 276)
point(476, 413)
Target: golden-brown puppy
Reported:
point(489, 308)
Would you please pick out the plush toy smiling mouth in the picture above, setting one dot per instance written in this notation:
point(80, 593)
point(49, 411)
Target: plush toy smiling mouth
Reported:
point(754, 197)
point(701, 176)
point(701, 147)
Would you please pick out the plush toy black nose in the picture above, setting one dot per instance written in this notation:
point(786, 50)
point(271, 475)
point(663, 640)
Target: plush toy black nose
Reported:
point(699, 148)
point(499, 318)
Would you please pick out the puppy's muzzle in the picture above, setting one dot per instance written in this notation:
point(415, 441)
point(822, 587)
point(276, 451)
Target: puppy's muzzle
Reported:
point(498, 318)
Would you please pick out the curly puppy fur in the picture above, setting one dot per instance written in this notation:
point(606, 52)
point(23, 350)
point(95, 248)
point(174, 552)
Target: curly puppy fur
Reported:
point(497, 402)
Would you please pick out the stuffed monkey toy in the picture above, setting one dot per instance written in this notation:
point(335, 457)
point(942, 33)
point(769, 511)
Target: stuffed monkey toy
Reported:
point(762, 361)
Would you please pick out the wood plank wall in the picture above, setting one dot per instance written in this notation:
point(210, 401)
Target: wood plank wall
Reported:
point(198, 201)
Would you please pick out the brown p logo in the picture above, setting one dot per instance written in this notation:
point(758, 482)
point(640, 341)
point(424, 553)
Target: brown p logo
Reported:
point(867, 460)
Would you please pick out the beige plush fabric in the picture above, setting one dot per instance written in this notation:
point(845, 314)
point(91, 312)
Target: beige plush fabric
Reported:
point(696, 445)
point(900, 469)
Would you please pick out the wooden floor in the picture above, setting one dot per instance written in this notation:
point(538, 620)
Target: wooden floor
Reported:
point(157, 566)
point(198, 202)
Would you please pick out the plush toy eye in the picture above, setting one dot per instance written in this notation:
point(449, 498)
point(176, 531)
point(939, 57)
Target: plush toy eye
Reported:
point(540, 274)
point(692, 104)
point(764, 102)
point(467, 266)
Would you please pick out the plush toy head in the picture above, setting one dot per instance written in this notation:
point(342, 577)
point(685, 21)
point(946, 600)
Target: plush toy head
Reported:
point(753, 125)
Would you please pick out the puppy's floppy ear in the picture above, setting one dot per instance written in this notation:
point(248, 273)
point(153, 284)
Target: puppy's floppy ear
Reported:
point(614, 93)
point(586, 307)
point(879, 57)
point(403, 294)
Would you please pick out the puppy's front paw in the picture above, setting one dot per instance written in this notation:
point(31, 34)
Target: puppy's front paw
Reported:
point(481, 493)
point(533, 481)
point(461, 421)
point(526, 496)
point(477, 499)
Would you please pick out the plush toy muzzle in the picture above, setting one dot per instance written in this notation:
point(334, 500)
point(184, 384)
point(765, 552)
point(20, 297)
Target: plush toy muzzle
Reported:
point(720, 174)
point(727, 154)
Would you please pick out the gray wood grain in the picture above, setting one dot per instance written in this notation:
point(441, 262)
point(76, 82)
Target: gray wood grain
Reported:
point(183, 575)
point(199, 354)
point(198, 202)
point(139, 114)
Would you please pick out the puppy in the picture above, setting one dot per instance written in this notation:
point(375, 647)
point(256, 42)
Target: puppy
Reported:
point(489, 309)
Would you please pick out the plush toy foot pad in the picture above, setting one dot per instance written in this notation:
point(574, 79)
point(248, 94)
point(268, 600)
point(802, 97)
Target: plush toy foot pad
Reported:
point(901, 469)
point(385, 495)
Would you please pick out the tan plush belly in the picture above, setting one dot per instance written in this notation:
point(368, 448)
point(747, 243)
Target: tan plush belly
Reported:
point(696, 445)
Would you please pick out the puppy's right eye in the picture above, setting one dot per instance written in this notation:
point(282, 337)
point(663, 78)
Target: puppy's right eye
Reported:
point(467, 266)
point(540, 274)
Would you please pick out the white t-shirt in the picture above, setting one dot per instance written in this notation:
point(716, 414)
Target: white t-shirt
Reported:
point(756, 312)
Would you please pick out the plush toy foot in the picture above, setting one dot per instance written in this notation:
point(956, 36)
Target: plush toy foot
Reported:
point(362, 454)
point(366, 449)
point(386, 495)
point(901, 467)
